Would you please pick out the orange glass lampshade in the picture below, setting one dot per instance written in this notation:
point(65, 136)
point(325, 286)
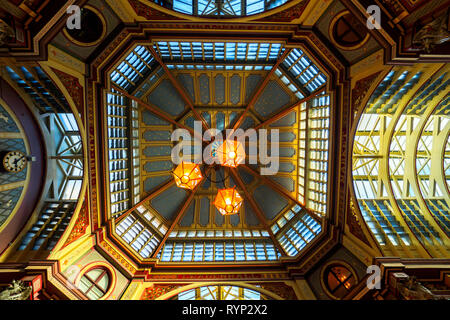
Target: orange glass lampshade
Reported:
point(187, 175)
point(228, 201)
point(231, 153)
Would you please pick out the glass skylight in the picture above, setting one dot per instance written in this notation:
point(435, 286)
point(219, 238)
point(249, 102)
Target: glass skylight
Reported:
point(406, 207)
point(222, 8)
point(218, 51)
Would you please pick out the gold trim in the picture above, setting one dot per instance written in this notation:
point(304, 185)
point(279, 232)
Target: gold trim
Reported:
point(98, 265)
point(47, 67)
point(253, 18)
point(240, 284)
point(333, 40)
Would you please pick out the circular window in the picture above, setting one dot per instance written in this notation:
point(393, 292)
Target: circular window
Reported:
point(347, 32)
point(95, 283)
point(338, 280)
point(92, 28)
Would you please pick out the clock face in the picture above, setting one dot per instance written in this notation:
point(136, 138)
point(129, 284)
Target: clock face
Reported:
point(14, 161)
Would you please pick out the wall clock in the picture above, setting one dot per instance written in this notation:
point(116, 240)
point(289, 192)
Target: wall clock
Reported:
point(14, 161)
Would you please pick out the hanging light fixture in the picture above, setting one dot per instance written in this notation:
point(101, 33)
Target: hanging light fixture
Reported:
point(231, 153)
point(228, 201)
point(187, 175)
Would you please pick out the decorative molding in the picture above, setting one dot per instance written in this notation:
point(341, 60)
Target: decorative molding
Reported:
point(360, 90)
point(395, 7)
point(81, 224)
point(150, 13)
point(117, 256)
point(214, 276)
point(344, 156)
point(354, 224)
point(332, 60)
point(288, 14)
point(64, 59)
point(130, 291)
point(74, 88)
point(112, 46)
point(157, 290)
point(280, 288)
point(91, 137)
point(319, 253)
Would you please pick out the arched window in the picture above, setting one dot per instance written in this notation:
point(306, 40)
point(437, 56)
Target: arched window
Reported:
point(338, 280)
point(347, 32)
point(400, 162)
point(220, 293)
point(65, 155)
point(220, 7)
point(95, 283)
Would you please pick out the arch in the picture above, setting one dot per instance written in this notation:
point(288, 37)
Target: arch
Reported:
point(386, 183)
point(225, 283)
point(99, 265)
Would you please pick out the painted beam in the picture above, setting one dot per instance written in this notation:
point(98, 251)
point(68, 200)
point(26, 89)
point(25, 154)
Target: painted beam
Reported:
point(261, 88)
point(259, 214)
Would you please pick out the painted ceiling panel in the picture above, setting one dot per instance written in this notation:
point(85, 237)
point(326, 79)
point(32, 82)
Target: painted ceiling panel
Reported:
point(248, 122)
point(204, 211)
point(251, 83)
point(167, 98)
point(189, 121)
point(152, 182)
point(187, 82)
point(157, 135)
point(286, 152)
point(235, 89)
point(235, 219)
point(216, 87)
point(153, 166)
point(272, 99)
point(250, 216)
point(270, 201)
point(233, 118)
point(286, 121)
point(188, 217)
point(207, 117)
point(169, 202)
point(204, 89)
point(219, 82)
point(157, 151)
point(245, 176)
point(206, 184)
point(150, 119)
point(286, 182)
point(220, 120)
point(218, 218)
point(287, 136)
point(286, 166)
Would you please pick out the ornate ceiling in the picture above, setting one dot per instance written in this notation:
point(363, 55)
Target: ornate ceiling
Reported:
point(229, 85)
point(362, 117)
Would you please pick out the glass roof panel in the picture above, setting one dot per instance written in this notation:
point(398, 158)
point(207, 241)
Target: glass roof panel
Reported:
point(407, 206)
point(139, 163)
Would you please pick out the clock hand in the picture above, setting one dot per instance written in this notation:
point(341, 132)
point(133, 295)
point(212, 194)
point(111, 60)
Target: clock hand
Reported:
point(17, 160)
